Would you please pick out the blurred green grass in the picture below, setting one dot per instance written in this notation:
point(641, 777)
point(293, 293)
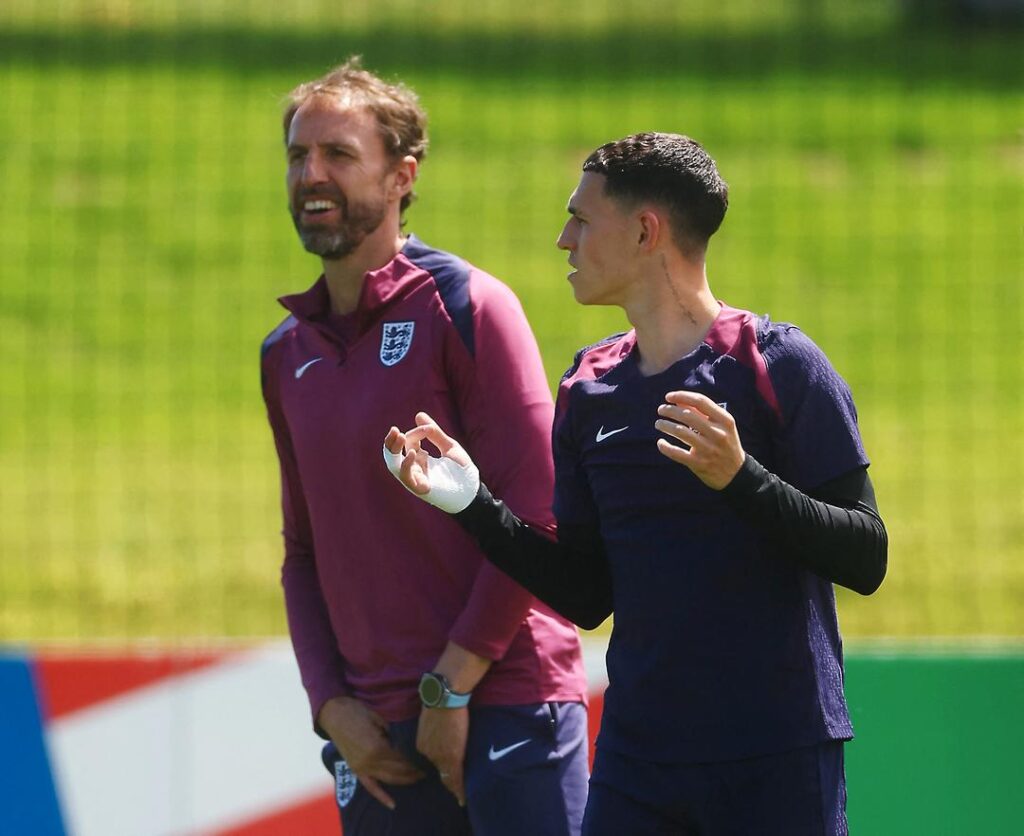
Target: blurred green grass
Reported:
point(877, 201)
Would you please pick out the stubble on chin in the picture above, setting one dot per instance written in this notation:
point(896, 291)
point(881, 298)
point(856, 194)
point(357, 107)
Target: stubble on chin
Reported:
point(357, 223)
point(329, 245)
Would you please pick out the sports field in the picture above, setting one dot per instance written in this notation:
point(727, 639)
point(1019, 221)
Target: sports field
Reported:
point(877, 177)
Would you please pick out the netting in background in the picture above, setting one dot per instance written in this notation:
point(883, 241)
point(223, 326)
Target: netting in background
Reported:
point(876, 161)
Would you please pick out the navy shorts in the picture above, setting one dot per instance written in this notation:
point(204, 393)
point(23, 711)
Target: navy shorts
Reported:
point(525, 771)
point(797, 793)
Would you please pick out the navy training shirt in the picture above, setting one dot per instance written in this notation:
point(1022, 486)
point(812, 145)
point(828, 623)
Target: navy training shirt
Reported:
point(721, 648)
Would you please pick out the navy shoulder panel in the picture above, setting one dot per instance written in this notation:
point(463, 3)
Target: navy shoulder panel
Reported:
point(451, 275)
point(275, 335)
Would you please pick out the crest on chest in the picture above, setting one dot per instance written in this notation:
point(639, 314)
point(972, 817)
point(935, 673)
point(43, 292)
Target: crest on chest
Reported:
point(395, 340)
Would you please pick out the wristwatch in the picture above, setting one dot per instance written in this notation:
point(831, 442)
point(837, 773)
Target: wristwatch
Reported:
point(435, 692)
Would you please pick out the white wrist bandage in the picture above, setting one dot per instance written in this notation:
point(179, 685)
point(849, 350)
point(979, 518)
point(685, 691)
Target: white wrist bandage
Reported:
point(452, 486)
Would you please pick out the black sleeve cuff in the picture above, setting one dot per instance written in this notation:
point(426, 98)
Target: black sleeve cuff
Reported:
point(482, 514)
point(749, 479)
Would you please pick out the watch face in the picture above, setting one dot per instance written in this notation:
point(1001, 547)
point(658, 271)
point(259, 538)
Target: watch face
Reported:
point(431, 690)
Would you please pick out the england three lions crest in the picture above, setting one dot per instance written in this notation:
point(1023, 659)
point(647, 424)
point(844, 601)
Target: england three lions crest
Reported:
point(345, 783)
point(395, 341)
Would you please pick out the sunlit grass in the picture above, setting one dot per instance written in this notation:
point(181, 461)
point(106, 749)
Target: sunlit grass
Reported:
point(143, 239)
point(457, 15)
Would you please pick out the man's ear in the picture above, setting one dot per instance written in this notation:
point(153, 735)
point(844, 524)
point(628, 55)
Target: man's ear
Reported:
point(651, 230)
point(405, 176)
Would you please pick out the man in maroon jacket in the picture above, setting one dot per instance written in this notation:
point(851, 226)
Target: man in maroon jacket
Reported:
point(453, 701)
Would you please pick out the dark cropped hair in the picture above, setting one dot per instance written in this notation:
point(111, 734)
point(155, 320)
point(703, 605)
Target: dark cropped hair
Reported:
point(400, 118)
point(673, 171)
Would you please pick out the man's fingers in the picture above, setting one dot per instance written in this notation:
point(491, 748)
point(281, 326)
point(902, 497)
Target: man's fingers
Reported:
point(682, 432)
point(416, 435)
point(701, 402)
point(692, 418)
point(677, 454)
point(397, 771)
point(434, 434)
point(427, 429)
point(394, 441)
point(377, 791)
point(386, 766)
point(446, 445)
point(458, 786)
point(685, 397)
point(709, 429)
point(413, 472)
point(716, 412)
point(452, 778)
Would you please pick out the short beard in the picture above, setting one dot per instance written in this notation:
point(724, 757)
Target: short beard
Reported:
point(357, 221)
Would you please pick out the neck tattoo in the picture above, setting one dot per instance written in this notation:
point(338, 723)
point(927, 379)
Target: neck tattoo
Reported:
point(675, 293)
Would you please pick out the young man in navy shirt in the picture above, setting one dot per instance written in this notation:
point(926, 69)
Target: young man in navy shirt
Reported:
point(453, 700)
point(710, 487)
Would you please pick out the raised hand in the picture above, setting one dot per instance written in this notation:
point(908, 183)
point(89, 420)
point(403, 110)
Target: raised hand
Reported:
point(714, 453)
point(449, 482)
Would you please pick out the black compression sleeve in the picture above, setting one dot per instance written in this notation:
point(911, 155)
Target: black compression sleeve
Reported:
point(837, 533)
point(571, 575)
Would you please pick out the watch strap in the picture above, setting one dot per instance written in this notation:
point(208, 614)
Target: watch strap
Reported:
point(448, 698)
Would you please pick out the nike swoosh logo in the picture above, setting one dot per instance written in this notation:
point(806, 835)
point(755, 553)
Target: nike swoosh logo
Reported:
point(602, 435)
point(497, 755)
point(302, 369)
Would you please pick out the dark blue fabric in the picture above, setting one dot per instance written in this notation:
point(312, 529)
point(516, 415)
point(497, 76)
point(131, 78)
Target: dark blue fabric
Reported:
point(818, 440)
point(451, 275)
point(275, 335)
point(797, 793)
point(538, 787)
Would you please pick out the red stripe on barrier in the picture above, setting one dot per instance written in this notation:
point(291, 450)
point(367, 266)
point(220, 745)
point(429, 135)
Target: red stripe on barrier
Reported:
point(594, 710)
point(69, 682)
point(317, 815)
